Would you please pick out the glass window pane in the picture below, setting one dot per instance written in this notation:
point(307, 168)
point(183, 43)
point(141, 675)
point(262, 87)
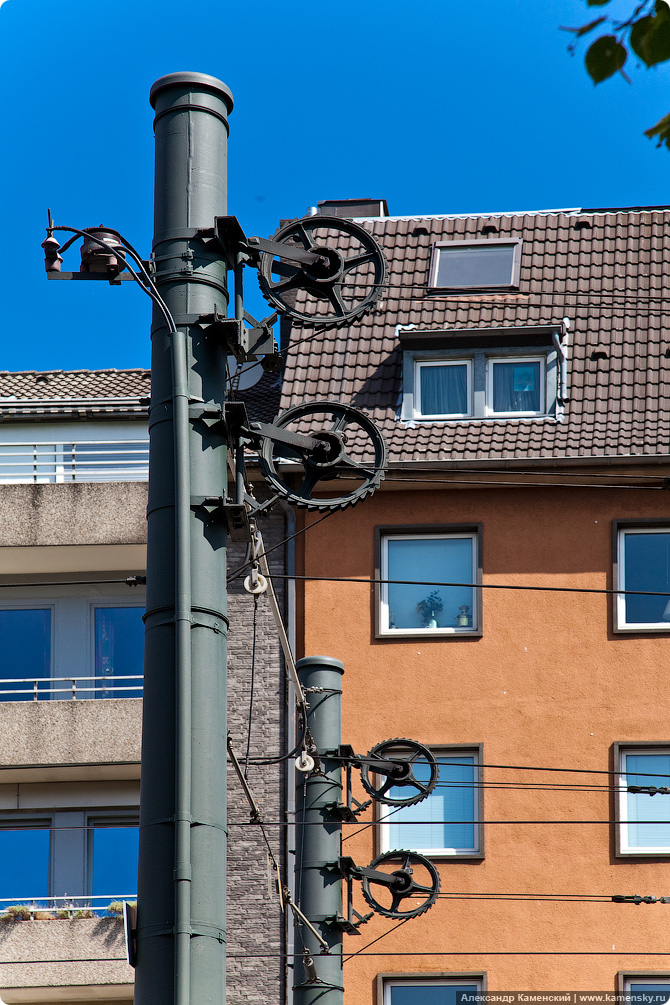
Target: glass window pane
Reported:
point(25, 651)
point(452, 799)
point(647, 769)
point(119, 649)
point(24, 864)
point(113, 855)
point(647, 567)
point(430, 993)
point(478, 265)
point(430, 560)
point(649, 993)
point(444, 389)
point(516, 386)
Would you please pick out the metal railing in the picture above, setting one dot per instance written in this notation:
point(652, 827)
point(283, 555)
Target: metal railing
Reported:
point(92, 461)
point(52, 908)
point(72, 688)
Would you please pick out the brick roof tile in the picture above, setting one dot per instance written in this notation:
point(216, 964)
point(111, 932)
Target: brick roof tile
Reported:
point(604, 270)
point(60, 384)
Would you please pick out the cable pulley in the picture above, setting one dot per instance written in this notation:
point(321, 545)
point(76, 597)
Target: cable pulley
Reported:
point(318, 442)
point(392, 765)
point(336, 267)
point(397, 884)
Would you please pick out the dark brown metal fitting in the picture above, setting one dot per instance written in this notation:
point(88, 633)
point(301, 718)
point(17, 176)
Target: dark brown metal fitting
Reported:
point(95, 257)
point(52, 260)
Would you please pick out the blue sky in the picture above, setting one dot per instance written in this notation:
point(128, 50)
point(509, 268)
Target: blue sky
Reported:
point(437, 106)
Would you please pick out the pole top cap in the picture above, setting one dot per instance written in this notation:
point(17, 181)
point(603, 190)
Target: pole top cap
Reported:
point(192, 80)
point(327, 662)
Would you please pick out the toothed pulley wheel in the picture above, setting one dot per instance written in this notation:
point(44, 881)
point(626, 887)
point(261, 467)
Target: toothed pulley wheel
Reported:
point(415, 771)
point(349, 446)
point(345, 281)
point(409, 878)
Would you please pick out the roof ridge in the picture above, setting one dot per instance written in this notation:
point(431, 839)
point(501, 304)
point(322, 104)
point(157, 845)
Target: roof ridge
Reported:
point(567, 211)
point(30, 373)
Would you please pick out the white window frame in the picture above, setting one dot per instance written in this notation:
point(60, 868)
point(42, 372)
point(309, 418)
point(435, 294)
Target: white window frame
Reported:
point(383, 605)
point(418, 366)
point(419, 981)
point(500, 242)
point(620, 601)
point(623, 848)
point(477, 851)
point(479, 384)
point(490, 364)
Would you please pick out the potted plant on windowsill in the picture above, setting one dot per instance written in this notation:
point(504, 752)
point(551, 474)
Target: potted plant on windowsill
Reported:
point(429, 608)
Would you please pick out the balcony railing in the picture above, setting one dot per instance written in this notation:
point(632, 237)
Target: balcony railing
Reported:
point(92, 461)
point(70, 688)
point(51, 908)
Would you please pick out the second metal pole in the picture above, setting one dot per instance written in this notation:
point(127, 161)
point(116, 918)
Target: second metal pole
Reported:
point(318, 886)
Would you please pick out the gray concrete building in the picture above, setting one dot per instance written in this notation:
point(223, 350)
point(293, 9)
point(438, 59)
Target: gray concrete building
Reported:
point(73, 495)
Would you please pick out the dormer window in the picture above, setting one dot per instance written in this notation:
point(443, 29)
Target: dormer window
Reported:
point(492, 264)
point(479, 373)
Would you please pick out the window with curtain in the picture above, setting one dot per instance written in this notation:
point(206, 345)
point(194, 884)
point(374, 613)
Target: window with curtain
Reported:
point(644, 820)
point(447, 821)
point(444, 389)
point(516, 386)
point(119, 650)
point(456, 383)
point(419, 607)
point(643, 561)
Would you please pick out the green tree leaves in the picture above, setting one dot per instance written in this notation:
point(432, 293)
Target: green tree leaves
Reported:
point(604, 58)
point(650, 36)
point(662, 130)
point(647, 32)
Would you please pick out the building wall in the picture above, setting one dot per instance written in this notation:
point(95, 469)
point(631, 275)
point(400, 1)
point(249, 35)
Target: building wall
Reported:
point(55, 532)
point(549, 684)
point(255, 921)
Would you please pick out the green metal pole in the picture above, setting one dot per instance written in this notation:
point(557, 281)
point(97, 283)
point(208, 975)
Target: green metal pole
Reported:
point(318, 888)
point(181, 927)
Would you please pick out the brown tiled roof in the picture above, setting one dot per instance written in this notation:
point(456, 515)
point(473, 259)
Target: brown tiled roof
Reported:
point(104, 394)
point(59, 394)
point(58, 384)
point(604, 270)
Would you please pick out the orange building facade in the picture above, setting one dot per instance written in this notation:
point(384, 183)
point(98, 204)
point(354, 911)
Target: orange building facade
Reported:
point(526, 425)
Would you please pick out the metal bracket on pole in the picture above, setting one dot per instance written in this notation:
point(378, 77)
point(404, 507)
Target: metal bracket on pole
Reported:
point(210, 415)
point(354, 919)
point(349, 810)
point(245, 344)
point(219, 509)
